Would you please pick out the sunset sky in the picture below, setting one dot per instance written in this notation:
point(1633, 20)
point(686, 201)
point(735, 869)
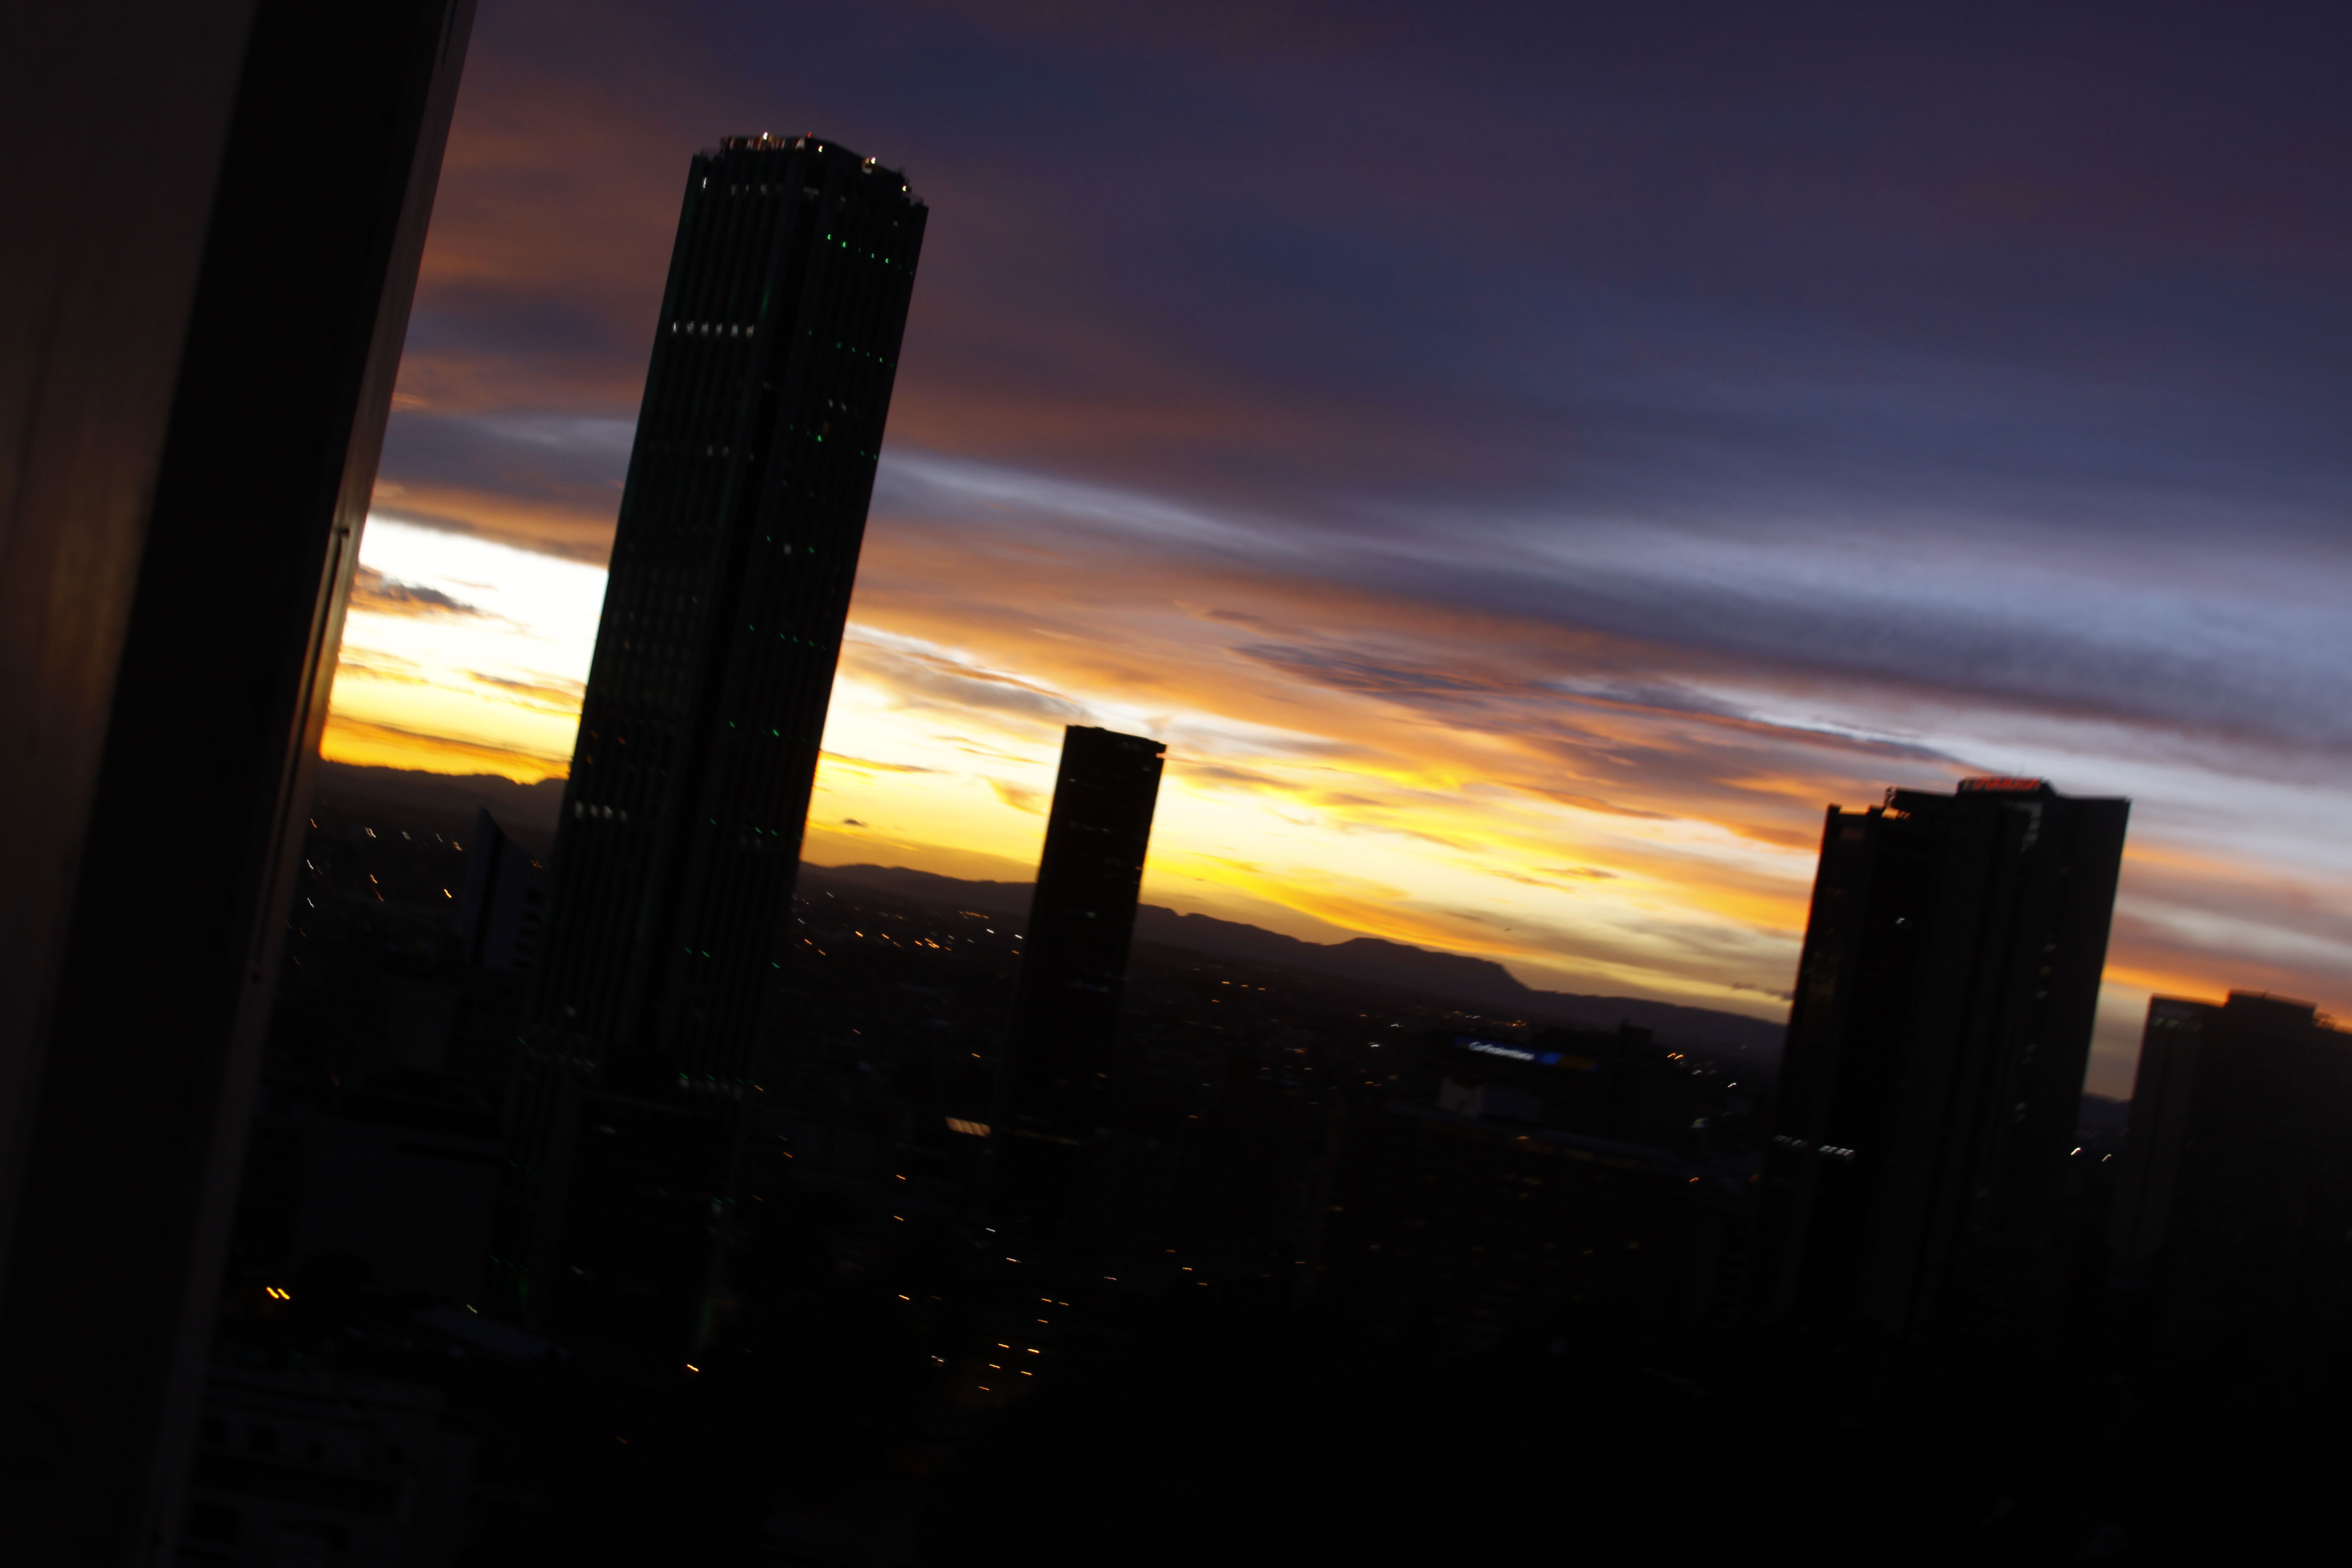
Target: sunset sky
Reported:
point(1526, 462)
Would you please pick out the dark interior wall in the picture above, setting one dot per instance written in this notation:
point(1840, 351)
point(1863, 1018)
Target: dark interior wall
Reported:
point(185, 570)
point(112, 117)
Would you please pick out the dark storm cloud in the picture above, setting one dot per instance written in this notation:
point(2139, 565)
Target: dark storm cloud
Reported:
point(2221, 635)
point(1448, 302)
point(371, 590)
point(1474, 220)
point(1685, 412)
point(1423, 298)
point(2188, 651)
point(1654, 698)
point(519, 449)
point(921, 678)
point(490, 321)
point(1371, 676)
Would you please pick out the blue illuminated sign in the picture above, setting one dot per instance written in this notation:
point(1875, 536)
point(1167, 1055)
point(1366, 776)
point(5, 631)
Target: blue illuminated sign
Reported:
point(1522, 1054)
point(1489, 1048)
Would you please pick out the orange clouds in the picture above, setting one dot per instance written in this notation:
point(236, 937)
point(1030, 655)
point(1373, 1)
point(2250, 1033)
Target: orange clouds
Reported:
point(1419, 802)
point(578, 526)
point(1578, 807)
point(374, 593)
point(364, 744)
point(1469, 619)
point(461, 656)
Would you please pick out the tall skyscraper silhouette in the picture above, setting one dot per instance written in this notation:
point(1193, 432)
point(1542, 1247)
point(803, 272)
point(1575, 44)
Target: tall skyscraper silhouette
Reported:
point(1072, 968)
point(732, 564)
point(1934, 1069)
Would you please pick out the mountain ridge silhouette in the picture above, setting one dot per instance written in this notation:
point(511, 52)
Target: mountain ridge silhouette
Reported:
point(528, 813)
point(1398, 966)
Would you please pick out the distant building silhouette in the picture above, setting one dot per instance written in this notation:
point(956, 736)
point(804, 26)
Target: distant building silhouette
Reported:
point(732, 564)
point(1236, 1167)
point(1073, 966)
point(502, 914)
point(1914, 1185)
point(2234, 1203)
point(1599, 1083)
point(311, 1464)
point(1519, 1181)
point(1474, 1225)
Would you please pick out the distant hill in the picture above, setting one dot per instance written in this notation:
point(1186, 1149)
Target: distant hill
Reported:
point(444, 802)
point(1445, 976)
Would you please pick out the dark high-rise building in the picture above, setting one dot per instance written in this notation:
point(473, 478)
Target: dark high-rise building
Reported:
point(1072, 968)
point(502, 915)
point(2234, 1203)
point(1945, 1001)
point(732, 564)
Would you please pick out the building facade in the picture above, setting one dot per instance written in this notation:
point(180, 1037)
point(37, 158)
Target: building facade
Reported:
point(732, 564)
point(2234, 1203)
point(1073, 969)
point(1474, 1227)
point(306, 1464)
point(1914, 1183)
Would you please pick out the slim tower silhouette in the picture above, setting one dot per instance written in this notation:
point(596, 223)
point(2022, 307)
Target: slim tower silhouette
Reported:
point(732, 564)
point(1066, 1014)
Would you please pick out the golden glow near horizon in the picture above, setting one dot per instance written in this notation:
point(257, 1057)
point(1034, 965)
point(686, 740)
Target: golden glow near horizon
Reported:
point(1319, 783)
point(466, 656)
point(462, 655)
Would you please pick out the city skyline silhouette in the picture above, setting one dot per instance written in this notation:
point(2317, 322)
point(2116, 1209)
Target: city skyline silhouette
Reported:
point(1658, 636)
point(1179, 895)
